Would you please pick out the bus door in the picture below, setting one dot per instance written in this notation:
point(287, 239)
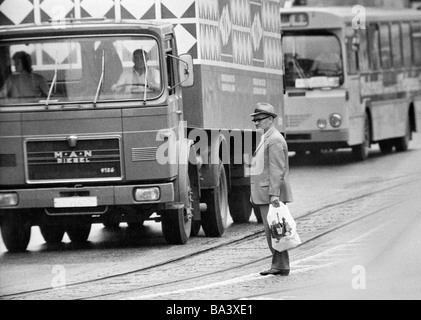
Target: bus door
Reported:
point(355, 42)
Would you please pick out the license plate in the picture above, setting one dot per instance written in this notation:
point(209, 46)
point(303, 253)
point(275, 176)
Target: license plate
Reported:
point(76, 202)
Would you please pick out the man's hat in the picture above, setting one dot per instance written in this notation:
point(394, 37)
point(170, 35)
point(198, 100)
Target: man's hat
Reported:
point(264, 108)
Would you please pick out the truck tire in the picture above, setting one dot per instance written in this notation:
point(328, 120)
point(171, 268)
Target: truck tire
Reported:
point(79, 233)
point(15, 231)
point(111, 225)
point(52, 234)
point(176, 226)
point(239, 204)
point(214, 220)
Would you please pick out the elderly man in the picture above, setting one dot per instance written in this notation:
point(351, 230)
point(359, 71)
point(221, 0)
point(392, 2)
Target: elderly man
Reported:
point(270, 178)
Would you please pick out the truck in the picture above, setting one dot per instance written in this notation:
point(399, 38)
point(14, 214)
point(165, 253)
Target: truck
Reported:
point(128, 112)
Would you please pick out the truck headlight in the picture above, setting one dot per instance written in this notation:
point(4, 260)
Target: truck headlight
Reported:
point(335, 120)
point(147, 194)
point(9, 199)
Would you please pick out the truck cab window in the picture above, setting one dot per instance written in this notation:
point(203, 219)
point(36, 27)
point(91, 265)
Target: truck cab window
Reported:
point(80, 70)
point(171, 69)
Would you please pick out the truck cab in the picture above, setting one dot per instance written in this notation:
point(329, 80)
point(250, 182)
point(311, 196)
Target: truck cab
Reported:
point(84, 109)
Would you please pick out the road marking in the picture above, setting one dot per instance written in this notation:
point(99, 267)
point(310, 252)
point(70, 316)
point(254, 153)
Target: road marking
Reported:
point(256, 276)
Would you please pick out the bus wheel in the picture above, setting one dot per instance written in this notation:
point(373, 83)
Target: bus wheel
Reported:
point(239, 204)
point(362, 151)
point(215, 219)
point(52, 234)
point(386, 146)
point(79, 233)
point(402, 144)
point(15, 231)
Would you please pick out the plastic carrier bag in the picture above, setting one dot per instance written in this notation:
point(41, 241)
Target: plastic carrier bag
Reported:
point(283, 228)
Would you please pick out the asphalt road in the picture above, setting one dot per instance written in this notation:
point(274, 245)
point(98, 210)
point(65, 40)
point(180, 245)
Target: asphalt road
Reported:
point(359, 223)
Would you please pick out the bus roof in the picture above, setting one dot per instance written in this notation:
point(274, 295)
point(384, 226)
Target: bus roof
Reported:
point(336, 17)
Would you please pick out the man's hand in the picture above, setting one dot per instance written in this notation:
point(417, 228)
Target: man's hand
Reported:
point(275, 201)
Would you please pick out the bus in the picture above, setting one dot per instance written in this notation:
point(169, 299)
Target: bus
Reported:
point(353, 78)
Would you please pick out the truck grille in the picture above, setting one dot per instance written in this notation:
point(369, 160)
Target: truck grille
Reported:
point(89, 160)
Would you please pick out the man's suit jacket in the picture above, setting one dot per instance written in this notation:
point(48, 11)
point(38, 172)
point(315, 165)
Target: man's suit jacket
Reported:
point(270, 170)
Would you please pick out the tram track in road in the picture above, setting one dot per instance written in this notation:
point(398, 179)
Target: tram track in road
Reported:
point(312, 226)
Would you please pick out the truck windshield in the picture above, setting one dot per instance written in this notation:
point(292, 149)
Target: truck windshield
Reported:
point(79, 70)
point(312, 60)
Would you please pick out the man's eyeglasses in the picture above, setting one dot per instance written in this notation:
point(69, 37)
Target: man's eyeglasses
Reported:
point(260, 120)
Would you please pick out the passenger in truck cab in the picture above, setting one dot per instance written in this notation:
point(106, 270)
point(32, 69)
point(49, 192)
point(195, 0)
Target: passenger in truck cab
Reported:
point(24, 83)
point(139, 77)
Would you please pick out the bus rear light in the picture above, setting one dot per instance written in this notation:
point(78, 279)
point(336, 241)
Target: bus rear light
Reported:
point(147, 194)
point(322, 124)
point(8, 200)
point(335, 120)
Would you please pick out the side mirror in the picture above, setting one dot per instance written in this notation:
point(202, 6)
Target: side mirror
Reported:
point(186, 71)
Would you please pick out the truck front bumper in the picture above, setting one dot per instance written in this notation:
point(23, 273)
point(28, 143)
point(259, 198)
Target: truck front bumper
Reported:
point(87, 196)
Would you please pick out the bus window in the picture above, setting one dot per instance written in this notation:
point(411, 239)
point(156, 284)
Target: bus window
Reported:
point(406, 45)
point(312, 55)
point(385, 47)
point(373, 40)
point(396, 45)
point(416, 38)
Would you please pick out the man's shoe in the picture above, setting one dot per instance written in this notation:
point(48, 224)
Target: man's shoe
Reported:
point(275, 272)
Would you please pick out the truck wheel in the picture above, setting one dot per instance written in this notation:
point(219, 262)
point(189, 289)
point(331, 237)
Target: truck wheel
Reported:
point(361, 151)
point(214, 220)
point(176, 226)
point(402, 144)
point(15, 231)
point(135, 225)
point(239, 204)
point(79, 233)
point(111, 225)
point(52, 234)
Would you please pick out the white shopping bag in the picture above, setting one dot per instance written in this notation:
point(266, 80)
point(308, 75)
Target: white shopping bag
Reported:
point(283, 228)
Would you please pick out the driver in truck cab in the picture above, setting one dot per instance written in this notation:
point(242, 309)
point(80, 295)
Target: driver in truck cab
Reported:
point(139, 77)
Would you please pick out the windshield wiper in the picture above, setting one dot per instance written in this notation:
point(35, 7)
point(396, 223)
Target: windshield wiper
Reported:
point(299, 68)
point(53, 84)
point(146, 77)
point(101, 80)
